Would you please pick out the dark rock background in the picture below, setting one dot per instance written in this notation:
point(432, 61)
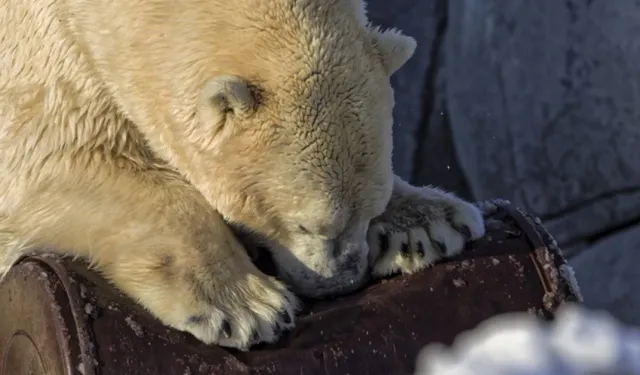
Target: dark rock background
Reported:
point(537, 102)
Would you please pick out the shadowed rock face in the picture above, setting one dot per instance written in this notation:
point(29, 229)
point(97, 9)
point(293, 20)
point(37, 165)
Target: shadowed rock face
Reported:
point(609, 274)
point(536, 102)
point(421, 20)
point(423, 148)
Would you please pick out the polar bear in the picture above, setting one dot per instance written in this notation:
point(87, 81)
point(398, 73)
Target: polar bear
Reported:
point(144, 135)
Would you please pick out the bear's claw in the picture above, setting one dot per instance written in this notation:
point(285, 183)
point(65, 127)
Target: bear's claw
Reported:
point(421, 226)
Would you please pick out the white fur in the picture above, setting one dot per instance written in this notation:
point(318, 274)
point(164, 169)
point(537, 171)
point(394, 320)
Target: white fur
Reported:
point(140, 133)
point(143, 134)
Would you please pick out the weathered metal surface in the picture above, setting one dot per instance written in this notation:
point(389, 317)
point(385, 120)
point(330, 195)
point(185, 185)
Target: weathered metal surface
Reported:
point(57, 317)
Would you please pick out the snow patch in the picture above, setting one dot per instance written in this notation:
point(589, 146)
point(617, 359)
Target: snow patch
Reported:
point(579, 342)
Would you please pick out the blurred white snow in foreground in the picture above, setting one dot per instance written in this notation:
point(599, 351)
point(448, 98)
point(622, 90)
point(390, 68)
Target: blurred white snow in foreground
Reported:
point(579, 342)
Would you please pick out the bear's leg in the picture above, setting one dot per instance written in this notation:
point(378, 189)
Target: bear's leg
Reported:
point(157, 239)
point(420, 225)
point(7, 257)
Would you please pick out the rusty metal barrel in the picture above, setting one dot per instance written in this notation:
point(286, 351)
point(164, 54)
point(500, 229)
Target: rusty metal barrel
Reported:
point(57, 317)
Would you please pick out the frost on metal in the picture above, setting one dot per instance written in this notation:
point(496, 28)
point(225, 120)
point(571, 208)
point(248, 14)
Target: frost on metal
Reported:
point(489, 207)
point(567, 273)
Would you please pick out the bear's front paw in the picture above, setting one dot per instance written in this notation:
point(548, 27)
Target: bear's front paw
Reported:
point(220, 299)
point(420, 226)
point(253, 309)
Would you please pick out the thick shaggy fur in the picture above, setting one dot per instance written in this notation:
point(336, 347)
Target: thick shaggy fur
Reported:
point(144, 134)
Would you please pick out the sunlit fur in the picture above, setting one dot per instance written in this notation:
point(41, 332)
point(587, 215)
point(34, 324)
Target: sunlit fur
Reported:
point(108, 150)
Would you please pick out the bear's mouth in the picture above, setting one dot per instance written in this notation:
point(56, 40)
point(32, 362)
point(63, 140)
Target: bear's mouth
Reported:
point(260, 251)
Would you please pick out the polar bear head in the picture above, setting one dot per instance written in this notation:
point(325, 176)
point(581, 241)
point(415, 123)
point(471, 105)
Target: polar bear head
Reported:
point(302, 141)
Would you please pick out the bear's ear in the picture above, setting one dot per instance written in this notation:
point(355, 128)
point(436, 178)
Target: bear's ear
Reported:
point(225, 95)
point(394, 47)
point(360, 9)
